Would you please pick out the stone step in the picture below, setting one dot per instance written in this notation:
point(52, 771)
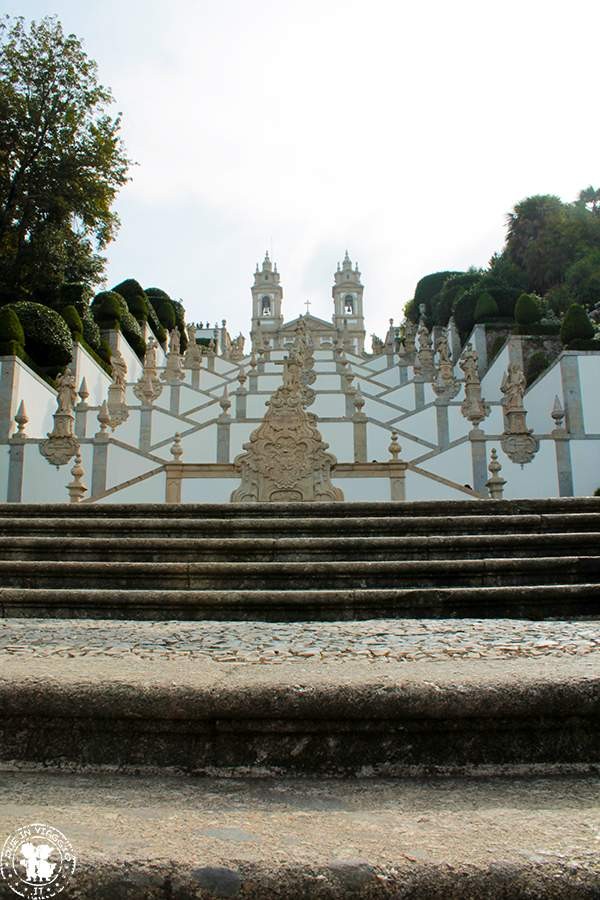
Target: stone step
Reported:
point(461, 838)
point(423, 508)
point(151, 525)
point(325, 717)
point(290, 575)
point(264, 549)
point(536, 600)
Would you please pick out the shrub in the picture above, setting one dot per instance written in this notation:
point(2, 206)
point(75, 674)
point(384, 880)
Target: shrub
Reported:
point(108, 307)
point(538, 363)
point(576, 325)
point(597, 492)
point(135, 298)
point(74, 294)
point(73, 320)
point(12, 336)
point(538, 328)
point(528, 309)
point(163, 307)
point(559, 299)
point(485, 307)
point(91, 332)
point(464, 311)
point(582, 279)
point(47, 337)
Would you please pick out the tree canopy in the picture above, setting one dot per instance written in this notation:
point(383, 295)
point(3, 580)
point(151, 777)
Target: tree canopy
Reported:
point(62, 161)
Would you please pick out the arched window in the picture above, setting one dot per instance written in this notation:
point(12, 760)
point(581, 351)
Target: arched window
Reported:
point(349, 304)
point(265, 308)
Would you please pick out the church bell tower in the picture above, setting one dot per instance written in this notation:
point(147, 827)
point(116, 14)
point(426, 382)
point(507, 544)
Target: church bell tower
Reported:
point(347, 296)
point(267, 295)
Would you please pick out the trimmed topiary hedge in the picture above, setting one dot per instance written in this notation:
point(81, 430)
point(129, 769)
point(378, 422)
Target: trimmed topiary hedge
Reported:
point(576, 325)
point(528, 309)
point(111, 312)
point(73, 320)
point(135, 298)
point(47, 337)
point(12, 336)
point(538, 328)
point(485, 308)
point(163, 307)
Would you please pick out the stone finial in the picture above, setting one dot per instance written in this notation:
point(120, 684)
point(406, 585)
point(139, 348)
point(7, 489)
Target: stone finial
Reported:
point(253, 362)
point(558, 414)
point(104, 418)
point(176, 448)
point(83, 391)
point(394, 447)
point(21, 418)
point(495, 484)
point(225, 402)
point(77, 488)
point(242, 378)
point(359, 402)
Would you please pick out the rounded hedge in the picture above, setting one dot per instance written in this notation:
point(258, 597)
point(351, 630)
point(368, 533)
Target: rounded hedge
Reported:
point(73, 320)
point(528, 309)
point(576, 325)
point(75, 294)
point(108, 307)
point(135, 298)
point(165, 311)
point(11, 330)
point(464, 310)
point(485, 308)
point(47, 337)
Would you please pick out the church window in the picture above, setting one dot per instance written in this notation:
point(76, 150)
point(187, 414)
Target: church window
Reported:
point(265, 306)
point(349, 304)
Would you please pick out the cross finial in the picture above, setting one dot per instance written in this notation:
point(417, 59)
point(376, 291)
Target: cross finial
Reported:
point(307, 304)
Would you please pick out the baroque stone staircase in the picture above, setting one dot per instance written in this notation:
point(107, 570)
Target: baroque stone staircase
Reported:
point(383, 700)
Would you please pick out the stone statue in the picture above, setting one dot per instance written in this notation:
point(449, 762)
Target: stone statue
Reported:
point(445, 385)
point(119, 369)
point(67, 392)
point(474, 408)
point(517, 440)
point(61, 443)
point(174, 341)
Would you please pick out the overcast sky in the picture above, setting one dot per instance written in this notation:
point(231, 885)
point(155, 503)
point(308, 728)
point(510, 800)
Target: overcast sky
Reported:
point(404, 131)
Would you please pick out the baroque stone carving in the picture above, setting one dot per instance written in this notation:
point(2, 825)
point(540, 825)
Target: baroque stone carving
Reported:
point(445, 386)
point(495, 483)
point(424, 367)
point(285, 458)
point(61, 444)
point(517, 440)
point(192, 358)
point(117, 406)
point(174, 370)
point(474, 408)
point(148, 387)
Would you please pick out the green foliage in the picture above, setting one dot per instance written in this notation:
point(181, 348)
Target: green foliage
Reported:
point(163, 307)
point(74, 294)
point(538, 328)
point(464, 310)
point(411, 311)
point(12, 336)
point(497, 346)
point(559, 299)
point(110, 311)
point(135, 298)
point(47, 337)
point(73, 320)
point(582, 279)
point(576, 325)
point(61, 160)
point(180, 321)
point(528, 309)
point(428, 292)
point(485, 307)
point(597, 492)
point(538, 363)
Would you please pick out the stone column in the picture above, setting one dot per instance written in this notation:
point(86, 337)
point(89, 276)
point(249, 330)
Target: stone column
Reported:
point(443, 427)
point(359, 427)
point(145, 426)
point(16, 458)
point(479, 342)
point(196, 378)
point(175, 399)
point(419, 392)
point(9, 384)
point(81, 410)
point(569, 372)
point(173, 482)
point(479, 461)
point(100, 452)
point(403, 374)
point(562, 447)
point(224, 428)
point(515, 350)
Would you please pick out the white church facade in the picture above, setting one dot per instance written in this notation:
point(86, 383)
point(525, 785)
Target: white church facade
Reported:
point(424, 420)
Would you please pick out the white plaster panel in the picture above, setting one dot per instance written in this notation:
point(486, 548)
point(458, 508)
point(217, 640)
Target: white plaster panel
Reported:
point(132, 361)
point(189, 398)
point(378, 441)
point(494, 424)
point(340, 437)
point(380, 411)
point(201, 445)
point(210, 411)
point(39, 399)
point(422, 424)
point(211, 381)
point(419, 487)
point(239, 433)
point(255, 405)
point(329, 405)
point(377, 364)
point(357, 490)
point(325, 366)
point(128, 432)
point(268, 382)
point(539, 400)
point(454, 463)
point(208, 490)
point(368, 388)
point(4, 463)
point(589, 379)
point(403, 397)
point(151, 490)
point(123, 465)
point(223, 367)
point(45, 483)
point(585, 462)
point(97, 379)
point(535, 479)
point(491, 381)
point(390, 377)
point(327, 383)
point(458, 426)
point(163, 425)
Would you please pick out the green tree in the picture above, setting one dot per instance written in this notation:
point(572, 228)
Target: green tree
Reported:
point(486, 308)
point(583, 279)
point(528, 309)
point(576, 325)
point(61, 160)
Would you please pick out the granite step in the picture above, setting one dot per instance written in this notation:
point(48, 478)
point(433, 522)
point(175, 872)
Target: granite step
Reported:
point(146, 523)
point(359, 574)
point(323, 718)
point(525, 601)
point(461, 838)
point(266, 549)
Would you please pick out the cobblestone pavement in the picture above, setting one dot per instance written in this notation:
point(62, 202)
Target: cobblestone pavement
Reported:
point(276, 642)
